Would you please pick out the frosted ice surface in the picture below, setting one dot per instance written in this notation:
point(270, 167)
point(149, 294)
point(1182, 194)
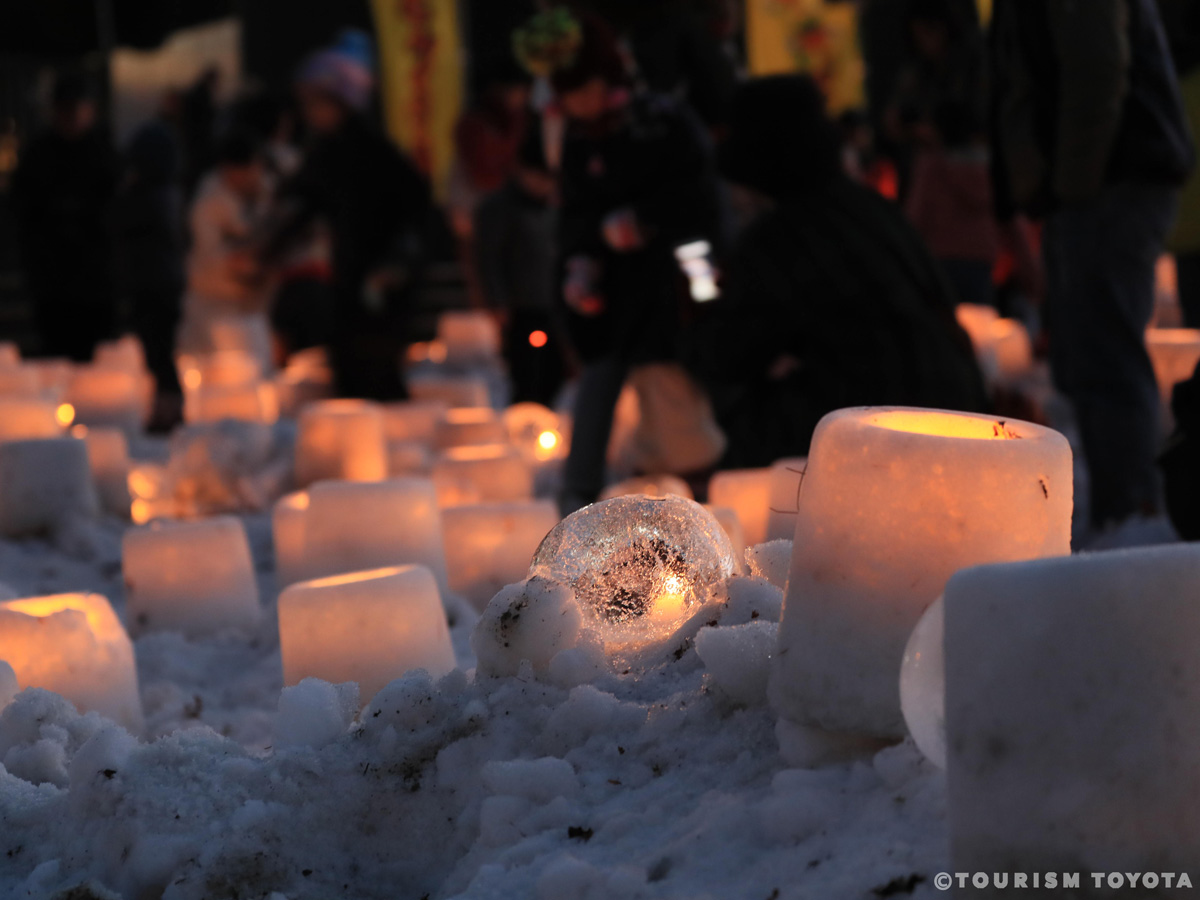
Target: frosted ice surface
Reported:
point(923, 684)
point(639, 565)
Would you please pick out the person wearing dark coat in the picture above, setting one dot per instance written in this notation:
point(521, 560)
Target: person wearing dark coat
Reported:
point(377, 207)
point(637, 181)
point(62, 191)
point(1090, 135)
point(149, 244)
point(830, 299)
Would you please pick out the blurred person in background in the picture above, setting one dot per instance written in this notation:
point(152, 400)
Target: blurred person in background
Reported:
point(830, 298)
point(377, 208)
point(1184, 32)
point(149, 243)
point(515, 260)
point(939, 113)
point(228, 291)
point(1090, 135)
point(62, 190)
point(637, 180)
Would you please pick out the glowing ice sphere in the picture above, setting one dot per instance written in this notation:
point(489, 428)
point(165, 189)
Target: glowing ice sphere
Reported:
point(923, 684)
point(73, 645)
point(366, 627)
point(639, 566)
point(191, 577)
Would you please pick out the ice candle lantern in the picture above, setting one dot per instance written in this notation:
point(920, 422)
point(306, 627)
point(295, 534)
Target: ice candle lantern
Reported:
point(784, 492)
point(108, 457)
point(341, 440)
point(367, 627)
point(412, 421)
point(110, 396)
point(468, 426)
point(894, 502)
point(490, 545)
point(42, 482)
point(29, 418)
point(193, 577)
point(1174, 352)
point(748, 493)
point(469, 336)
point(73, 645)
point(490, 472)
point(337, 527)
point(1072, 716)
point(639, 566)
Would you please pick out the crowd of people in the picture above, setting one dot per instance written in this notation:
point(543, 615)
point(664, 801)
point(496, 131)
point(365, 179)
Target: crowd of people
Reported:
point(635, 211)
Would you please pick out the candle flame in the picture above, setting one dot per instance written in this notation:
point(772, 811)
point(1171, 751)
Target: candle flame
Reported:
point(65, 414)
point(547, 440)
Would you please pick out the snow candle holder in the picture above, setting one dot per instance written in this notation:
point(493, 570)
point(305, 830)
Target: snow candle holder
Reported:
point(786, 476)
point(108, 457)
point(1174, 353)
point(109, 396)
point(469, 426)
point(337, 527)
point(42, 482)
point(412, 421)
point(469, 336)
point(490, 545)
point(73, 645)
point(341, 440)
point(30, 418)
point(893, 503)
point(748, 493)
point(193, 577)
point(489, 472)
point(253, 402)
point(1072, 716)
point(452, 390)
point(367, 627)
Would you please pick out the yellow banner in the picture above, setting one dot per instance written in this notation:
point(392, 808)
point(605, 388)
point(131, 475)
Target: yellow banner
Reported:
point(421, 79)
point(809, 36)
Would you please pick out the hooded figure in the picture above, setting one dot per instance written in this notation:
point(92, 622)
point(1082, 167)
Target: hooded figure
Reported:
point(830, 298)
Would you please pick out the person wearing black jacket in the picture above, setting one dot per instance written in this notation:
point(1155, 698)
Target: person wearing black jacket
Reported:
point(1090, 135)
point(377, 207)
point(62, 191)
point(830, 299)
point(637, 180)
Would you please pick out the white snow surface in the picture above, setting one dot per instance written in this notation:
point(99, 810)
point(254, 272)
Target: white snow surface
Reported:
point(555, 776)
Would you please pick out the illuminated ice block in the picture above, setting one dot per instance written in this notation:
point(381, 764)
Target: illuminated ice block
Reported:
point(748, 493)
point(490, 545)
point(42, 482)
point(469, 335)
point(193, 577)
point(894, 502)
point(108, 457)
point(412, 420)
point(103, 396)
point(1073, 717)
point(453, 390)
point(650, 485)
point(540, 433)
point(338, 527)
point(30, 418)
point(341, 440)
point(73, 645)
point(1174, 352)
point(489, 472)
point(468, 426)
point(408, 458)
point(252, 402)
point(786, 477)
point(366, 627)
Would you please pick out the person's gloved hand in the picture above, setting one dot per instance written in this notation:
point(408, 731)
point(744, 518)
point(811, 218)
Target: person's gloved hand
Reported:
point(622, 232)
point(579, 287)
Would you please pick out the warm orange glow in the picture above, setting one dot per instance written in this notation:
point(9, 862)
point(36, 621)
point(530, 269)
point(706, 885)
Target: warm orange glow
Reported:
point(354, 577)
point(298, 501)
point(192, 379)
point(79, 431)
point(142, 484)
point(470, 415)
point(65, 414)
point(538, 338)
point(1189, 336)
point(944, 424)
point(477, 451)
point(141, 512)
point(548, 440)
point(93, 607)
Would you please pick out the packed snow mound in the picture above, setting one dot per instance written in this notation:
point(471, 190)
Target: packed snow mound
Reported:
point(771, 561)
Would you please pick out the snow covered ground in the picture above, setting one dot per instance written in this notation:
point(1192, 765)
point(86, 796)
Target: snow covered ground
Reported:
point(568, 779)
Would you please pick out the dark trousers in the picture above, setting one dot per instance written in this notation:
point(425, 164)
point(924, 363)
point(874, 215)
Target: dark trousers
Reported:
point(1100, 259)
point(600, 385)
point(154, 316)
